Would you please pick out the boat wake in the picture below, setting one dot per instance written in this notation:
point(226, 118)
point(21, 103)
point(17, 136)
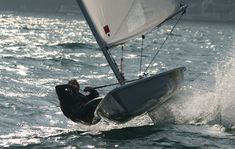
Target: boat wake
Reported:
point(203, 104)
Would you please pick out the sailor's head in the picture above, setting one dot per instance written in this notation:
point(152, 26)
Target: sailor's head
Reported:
point(74, 83)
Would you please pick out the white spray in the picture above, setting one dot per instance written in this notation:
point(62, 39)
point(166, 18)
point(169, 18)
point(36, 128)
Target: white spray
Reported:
point(197, 105)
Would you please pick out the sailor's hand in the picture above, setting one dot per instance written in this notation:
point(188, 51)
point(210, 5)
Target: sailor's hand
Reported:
point(69, 91)
point(87, 89)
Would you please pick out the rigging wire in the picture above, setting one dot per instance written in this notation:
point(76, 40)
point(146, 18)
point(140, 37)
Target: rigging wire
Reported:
point(163, 43)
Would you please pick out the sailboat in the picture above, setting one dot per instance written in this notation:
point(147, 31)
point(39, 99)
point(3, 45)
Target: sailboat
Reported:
point(115, 22)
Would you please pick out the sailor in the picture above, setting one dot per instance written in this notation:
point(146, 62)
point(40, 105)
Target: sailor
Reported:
point(75, 105)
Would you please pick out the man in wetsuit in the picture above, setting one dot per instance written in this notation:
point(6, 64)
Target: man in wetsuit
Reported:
point(75, 105)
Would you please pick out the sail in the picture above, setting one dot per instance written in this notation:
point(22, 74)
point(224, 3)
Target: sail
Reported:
point(113, 22)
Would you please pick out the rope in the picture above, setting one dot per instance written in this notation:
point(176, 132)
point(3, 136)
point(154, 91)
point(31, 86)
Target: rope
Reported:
point(141, 53)
point(121, 66)
point(163, 44)
point(103, 86)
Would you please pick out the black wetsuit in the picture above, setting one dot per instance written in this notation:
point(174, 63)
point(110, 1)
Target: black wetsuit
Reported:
point(73, 103)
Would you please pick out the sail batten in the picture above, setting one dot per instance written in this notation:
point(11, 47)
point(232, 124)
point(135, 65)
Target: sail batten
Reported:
point(114, 22)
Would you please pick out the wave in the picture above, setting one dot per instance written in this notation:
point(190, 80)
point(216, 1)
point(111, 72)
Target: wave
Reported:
point(76, 45)
point(201, 103)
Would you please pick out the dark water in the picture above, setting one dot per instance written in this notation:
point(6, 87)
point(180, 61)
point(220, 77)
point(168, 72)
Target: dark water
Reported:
point(36, 53)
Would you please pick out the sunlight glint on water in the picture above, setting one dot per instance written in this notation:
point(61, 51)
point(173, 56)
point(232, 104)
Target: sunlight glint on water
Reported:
point(37, 53)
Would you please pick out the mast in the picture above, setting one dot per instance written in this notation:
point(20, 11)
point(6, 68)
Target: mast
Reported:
point(102, 45)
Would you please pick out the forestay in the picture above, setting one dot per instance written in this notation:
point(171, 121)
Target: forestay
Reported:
point(113, 22)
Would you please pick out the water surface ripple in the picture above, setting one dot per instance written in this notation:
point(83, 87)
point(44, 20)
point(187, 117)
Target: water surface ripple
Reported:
point(37, 53)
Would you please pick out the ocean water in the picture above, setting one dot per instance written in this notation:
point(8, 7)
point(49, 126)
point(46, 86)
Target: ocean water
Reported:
point(39, 52)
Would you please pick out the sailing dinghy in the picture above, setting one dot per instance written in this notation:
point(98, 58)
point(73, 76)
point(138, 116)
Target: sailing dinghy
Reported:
point(114, 22)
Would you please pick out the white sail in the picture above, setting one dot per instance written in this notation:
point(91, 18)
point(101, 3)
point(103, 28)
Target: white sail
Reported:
point(115, 21)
